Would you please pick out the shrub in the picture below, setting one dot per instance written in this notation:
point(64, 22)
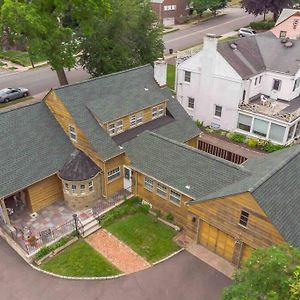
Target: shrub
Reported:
point(169, 216)
point(237, 137)
point(252, 143)
point(269, 147)
point(199, 124)
point(262, 25)
point(158, 213)
point(207, 13)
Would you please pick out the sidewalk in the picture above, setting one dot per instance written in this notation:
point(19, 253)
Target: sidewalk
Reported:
point(115, 251)
point(12, 67)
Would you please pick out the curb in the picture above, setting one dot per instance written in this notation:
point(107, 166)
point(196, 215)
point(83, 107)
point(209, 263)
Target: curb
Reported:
point(168, 257)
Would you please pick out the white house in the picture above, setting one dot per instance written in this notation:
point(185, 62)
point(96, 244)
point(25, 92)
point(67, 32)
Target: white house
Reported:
point(251, 85)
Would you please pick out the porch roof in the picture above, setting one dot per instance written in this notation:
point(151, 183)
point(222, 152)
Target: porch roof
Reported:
point(32, 147)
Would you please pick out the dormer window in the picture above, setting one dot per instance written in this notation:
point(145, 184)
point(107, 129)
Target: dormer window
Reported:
point(72, 133)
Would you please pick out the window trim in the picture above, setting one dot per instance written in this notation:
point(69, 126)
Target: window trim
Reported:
point(216, 107)
point(246, 221)
point(82, 190)
point(193, 101)
point(175, 192)
point(279, 84)
point(147, 187)
point(91, 186)
point(154, 112)
point(189, 76)
point(116, 170)
point(73, 133)
point(161, 189)
point(139, 118)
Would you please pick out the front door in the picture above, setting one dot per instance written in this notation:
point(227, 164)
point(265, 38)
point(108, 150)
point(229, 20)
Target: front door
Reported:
point(127, 179)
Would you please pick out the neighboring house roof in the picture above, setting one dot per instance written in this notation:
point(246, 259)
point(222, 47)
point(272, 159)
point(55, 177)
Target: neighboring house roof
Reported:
point(274, 181)
point(79, 167)
point(285, 14)
point(178, 165)
point(85, 100)
point(33, 146)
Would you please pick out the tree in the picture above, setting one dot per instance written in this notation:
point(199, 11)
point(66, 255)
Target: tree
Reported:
point(295, 285)
point(126, 37)
point(203, 5)
point(41, 22)
point(266, 275)
point(262, 7)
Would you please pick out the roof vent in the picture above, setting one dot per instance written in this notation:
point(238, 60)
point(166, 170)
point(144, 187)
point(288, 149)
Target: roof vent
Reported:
point(187, 187)
point(289, 44)
point(233, 46)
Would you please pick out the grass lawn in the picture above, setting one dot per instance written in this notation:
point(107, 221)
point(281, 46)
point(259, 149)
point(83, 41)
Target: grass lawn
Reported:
point(171, 76)
point(145, 235)
point(19, 57)
point(80, 260)
point(2, 105)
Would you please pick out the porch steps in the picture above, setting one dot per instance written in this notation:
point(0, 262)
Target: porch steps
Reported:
point(90, 226)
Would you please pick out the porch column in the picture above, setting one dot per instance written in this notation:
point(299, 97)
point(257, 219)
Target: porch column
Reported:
point(4, 211)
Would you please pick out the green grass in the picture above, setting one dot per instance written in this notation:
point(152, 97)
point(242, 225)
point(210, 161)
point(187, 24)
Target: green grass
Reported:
point(19, 57)
point(171, 76)
point(145, 235)
point(80, 260)
point(2, 105)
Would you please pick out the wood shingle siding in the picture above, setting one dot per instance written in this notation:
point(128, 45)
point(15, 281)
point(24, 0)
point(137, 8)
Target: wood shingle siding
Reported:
point(44, 193)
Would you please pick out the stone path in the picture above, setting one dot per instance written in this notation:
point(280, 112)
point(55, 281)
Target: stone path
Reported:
point(119, 254)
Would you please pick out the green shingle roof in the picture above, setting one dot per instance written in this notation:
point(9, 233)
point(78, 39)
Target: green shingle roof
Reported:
point(179, 165)
point(115, 95)
point(32, 147)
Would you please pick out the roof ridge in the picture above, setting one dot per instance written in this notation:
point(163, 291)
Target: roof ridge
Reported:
point(100, 77)
point(282, 164)
point(10, 109)
point(210, 156)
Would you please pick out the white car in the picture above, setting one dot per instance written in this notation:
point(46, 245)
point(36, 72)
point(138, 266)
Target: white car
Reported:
point(244, 32)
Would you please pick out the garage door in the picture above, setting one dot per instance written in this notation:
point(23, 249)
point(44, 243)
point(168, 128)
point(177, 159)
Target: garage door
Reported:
point(216, 240)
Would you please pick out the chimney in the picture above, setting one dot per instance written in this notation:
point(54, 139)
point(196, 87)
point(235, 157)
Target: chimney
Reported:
point(160, 72)
point(210, 42)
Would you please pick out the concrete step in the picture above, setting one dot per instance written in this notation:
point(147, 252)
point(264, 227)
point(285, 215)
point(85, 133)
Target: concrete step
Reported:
point(90, 230)
point(91, 224)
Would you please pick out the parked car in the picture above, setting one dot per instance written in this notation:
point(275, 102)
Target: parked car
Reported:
point(244, 32)
point(9, 94)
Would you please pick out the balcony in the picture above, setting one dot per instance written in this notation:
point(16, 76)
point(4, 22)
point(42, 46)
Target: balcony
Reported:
point(286, 111)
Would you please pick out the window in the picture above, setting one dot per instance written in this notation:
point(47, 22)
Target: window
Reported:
point(297, 132)
point(91, 186)
point(132, 121)
point(169, 7)
point(244, 95)
point(187, 76)
point(111, 129)
point(119, 126)
point(244, 218)
point(73, 188)
point(148, 183)
point(82, 188)
point(175, 197)
point(72, 133)
point(260, 127)
point(191, 103)
point(296, 84)
point(139, 118)
point(161, 110)
point(66, 187)
point(276, 133)
point(291, 132)
point(282, 34)
point(218, 111)
point(260, 78)
point(161, 190)
point(154, 112)
point(276, 84)
point(244, 122)
point(255, 83)
point(113, 174)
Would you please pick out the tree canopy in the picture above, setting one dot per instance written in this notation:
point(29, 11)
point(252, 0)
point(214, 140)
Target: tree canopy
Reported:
point(262, 7)
point(268, 274)
point(126, 37)
point(202, 5)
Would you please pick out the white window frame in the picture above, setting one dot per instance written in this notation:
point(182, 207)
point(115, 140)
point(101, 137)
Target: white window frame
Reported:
point(119, 126)
point(67, 187)
point(113, 174)
point(82, 188)
point(189, 76)
point(193, 101)
point(139, 118)
point(161, 190)
point(74, 190)
point(132, 121)
point(91, 186)
point(73, 133)
point(154, 111)
point(217, 111)
point(175, 197)
point(112, 129)
point(148, 183)
point(161, 110)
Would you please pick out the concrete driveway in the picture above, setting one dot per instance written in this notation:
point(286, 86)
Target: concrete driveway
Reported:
point(181, 277)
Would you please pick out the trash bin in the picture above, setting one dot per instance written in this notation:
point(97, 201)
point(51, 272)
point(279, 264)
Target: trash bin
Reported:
point(171, 51)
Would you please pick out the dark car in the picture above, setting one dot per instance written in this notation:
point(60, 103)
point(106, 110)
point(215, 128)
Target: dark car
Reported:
point(9, 94)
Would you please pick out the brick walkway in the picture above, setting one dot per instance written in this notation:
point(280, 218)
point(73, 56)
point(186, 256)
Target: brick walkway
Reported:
point(119, 254)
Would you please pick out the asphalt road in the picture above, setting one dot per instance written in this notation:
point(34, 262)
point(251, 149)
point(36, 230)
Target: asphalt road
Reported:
point(181, 277)
point(40, 80)
point(234, 19)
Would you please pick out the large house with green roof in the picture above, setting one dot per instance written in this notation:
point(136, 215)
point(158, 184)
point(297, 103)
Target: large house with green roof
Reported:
point(125, 131)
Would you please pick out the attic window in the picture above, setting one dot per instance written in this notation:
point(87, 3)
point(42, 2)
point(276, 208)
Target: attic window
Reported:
point(244, 218)
point(72, 133)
